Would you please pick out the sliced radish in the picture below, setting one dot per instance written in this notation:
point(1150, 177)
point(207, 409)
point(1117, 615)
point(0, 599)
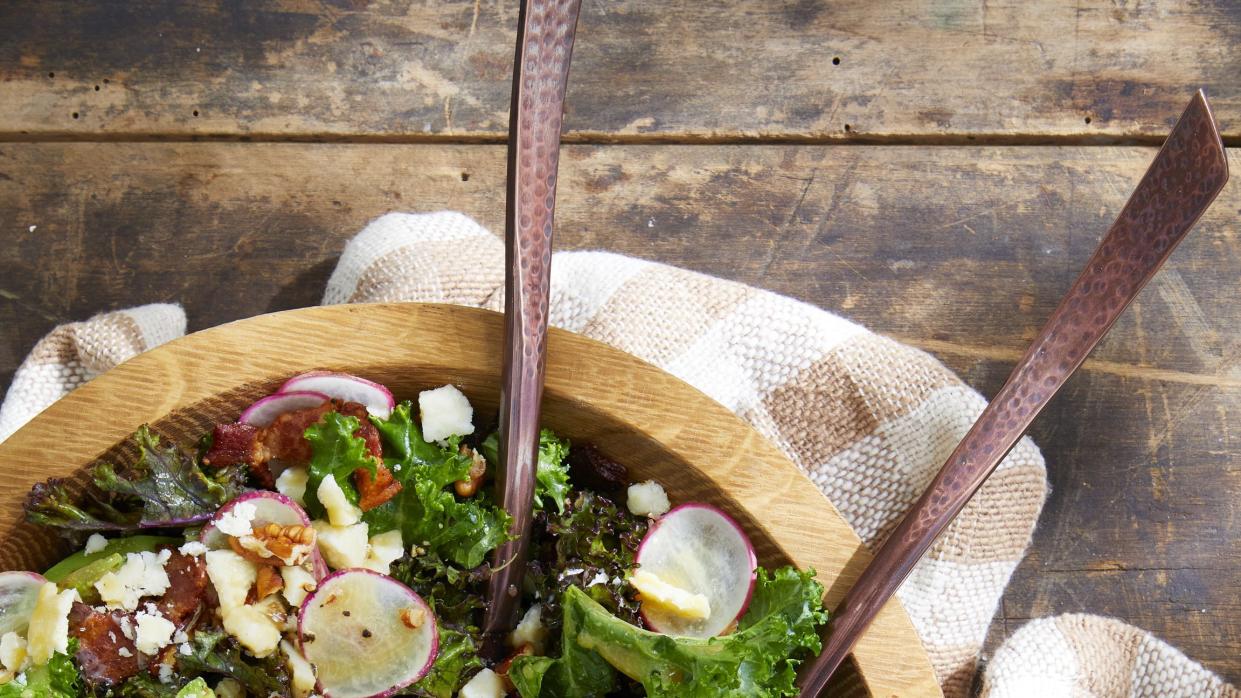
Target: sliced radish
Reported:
point(269, 507)
point(701, 550)
point(366, 634)
point(265, 411)
point(342, 386)
point(18, 593)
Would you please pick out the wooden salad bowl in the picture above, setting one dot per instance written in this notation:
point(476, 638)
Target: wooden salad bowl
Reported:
point(656, 424)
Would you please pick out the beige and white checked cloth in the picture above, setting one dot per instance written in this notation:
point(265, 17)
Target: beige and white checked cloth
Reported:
point(868, 419)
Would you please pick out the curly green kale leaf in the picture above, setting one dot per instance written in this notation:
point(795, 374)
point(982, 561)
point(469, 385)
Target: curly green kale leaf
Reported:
point(759, 659)
point(165, 488)
point(455, 664)
point(58, 678)
point(455, 593)
point(428, 514)
point(551, 475)
point(336, 453)
point(590, 545)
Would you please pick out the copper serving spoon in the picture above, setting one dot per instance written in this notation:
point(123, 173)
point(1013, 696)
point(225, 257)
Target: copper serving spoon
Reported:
point(545, 30)
point(1180, 184)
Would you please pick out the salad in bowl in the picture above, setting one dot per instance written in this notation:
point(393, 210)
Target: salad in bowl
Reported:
point(334, 542)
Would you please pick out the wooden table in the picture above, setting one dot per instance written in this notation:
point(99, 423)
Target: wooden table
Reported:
point(935, 169)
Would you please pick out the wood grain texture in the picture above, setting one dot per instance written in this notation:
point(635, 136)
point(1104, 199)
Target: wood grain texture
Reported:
point(675, 70)
point(662, 426)
point(960, 251)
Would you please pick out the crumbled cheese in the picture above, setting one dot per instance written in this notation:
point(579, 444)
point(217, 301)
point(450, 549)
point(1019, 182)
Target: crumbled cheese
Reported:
point(253, 628)
point(154, 632)
point(301, 673)
point(142, 575)
point(165, 673)
point(49, 623)
point(95, 543)
point(180, 636)
point(232, 576)
point(445, 412)
point(229, 688)
point(292, 484)
point(485, 684)
point(648, 499)
point(339, 510)
point(236, 521)
point(672, 599)
point(124, 652)
point(193, 549)
point(127, 627)
point(12, 652)
point(298, 583)
point(386, 548)
point(600, 578)
point(185, 649)
point(530, 631)
point(342, 546)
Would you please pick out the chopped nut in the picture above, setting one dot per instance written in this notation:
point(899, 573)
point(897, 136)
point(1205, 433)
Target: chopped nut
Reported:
point(268, 582)
point(413, 618)
point(478, 468)
point(276, 545)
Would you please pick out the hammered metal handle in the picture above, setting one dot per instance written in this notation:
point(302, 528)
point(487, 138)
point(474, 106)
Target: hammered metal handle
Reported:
point(1181, 183)
point(540, 74)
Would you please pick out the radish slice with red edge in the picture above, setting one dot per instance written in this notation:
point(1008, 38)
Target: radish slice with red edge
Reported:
point(18, 593)
point(342, 386)
point(366, 634)
point(269, 507)
point(700, 549)
point(265, 411)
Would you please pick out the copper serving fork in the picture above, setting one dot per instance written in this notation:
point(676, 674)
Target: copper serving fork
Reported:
point(1187, 174)
point(545, 31)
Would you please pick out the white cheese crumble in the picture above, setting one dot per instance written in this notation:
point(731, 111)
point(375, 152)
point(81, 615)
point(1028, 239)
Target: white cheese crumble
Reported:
point(485, 684)
point(292, 483)
point(236, 521)
point(124, 652)
point(445, 412)
point(95, 543)
point(232, 576)
point(165, 673)
point(339, 510)
point(530, 631)
point(648, 499)
point(298, 583)
point(230, 688)
point(193, 548)
point(386, 548)
point(127, 627)
point(49, 623)
point(600, 578)
point(154, 632)
point(342, 546)
point(253, 629)
point(12, 652)
point(142, 575)
point(301, 672)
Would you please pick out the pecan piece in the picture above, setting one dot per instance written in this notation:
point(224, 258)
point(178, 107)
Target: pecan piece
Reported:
point(276, 545)
point(478, 468)
point(267, 583)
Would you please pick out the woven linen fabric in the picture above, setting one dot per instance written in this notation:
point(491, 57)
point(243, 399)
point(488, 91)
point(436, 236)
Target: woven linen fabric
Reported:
point(868, 419)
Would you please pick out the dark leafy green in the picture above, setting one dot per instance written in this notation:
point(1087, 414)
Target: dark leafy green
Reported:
point(455, 593)
point(760, 659)
point(426, 511)
point(58, 678)
point(337, 453)
point(552, 472)
point(213, 652)
point(591, 545)
point(143, 685)
point(455, 664)
point(165, 488)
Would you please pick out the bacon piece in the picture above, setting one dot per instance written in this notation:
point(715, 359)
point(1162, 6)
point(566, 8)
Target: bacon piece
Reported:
point(187, 577)
point(284, 440)
point(100, 641)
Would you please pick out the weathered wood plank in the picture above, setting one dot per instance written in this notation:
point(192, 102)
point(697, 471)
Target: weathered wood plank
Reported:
point(960, 251)
point(924, 69)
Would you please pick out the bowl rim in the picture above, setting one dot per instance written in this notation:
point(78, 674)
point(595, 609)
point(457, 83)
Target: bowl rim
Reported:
point(746, 466)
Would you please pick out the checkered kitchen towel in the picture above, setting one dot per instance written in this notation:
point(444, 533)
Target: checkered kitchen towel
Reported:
point(868, 419)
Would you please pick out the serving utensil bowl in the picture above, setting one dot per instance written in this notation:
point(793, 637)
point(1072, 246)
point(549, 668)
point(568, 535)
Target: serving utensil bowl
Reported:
point(657, 425)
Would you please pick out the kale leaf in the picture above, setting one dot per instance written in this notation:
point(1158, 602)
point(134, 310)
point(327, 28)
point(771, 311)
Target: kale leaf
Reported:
point(455, 664)
point(213, 652)
point(58, 678)
point(165, 488)
point(760, 659)
point(428, 514)
point(551, 475)
point(337, 453)
point(455, 593)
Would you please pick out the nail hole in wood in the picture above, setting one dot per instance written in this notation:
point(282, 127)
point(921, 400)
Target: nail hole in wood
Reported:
point(75, 115)
point(51, 75)
point(96, 88)
point(836, 60)
point(848, 128)
point(195, 112)
point(465, 176)
point(1088, 119)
